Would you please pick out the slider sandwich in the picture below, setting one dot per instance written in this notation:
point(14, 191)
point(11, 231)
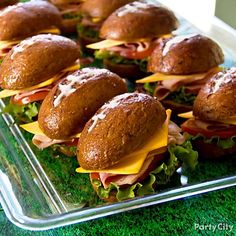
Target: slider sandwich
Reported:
point(212, 124)
point(70, 13)
point(23, 20)
point(30, 69)
point(130, 34)
point(5, 3)
point(130, 147)
point(182, 65)
point(94, 13)
point(70, 104)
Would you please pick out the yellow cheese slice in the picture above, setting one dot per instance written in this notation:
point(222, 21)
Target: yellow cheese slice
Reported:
point(96, 19)
point(160, 77)
point(50, 31)
point(189, 115)
point(105, 44)
point(8, 93)
point(132, 163)
point(9, 43)
point(34, 128)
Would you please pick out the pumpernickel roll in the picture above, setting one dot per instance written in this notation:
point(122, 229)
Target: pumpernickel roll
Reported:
point(73, 101)
point(185, 54)
point(212, 127)
point(131, 33)
point(26, 19)
point(124, 147)
point(216, 100)
point(181, 66)
point(36, 59)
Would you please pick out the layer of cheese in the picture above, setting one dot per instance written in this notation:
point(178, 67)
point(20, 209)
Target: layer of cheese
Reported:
point(50, 31)
point(7, 44)
point(160, 77)
point(105, 44)
point(34, 128)
point(8, 93)
point(132, 163)
point(189, 115)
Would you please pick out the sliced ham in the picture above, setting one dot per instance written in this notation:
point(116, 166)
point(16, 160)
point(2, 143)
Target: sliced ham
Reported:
point(192, 84)
point(174, 137)
point(42, 141)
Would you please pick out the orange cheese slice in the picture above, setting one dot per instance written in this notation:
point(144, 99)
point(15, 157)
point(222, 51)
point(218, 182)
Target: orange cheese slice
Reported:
point(8, 93)
point(189, 115)
point(105, 44)
point(34, 128)
point(132, 163)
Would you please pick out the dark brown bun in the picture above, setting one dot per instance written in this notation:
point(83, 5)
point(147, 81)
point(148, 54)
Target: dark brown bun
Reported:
point(216, 100)
point(176, 108)
point(118, 128)
point(26, 19)
point(5, 3)
point(101, 8)
point(183, 55)
point(138, 20)
point(69, 26)
point(64, 2)
point(65, 113)
point(211, 151)
point(124, 70)
point(37, 59)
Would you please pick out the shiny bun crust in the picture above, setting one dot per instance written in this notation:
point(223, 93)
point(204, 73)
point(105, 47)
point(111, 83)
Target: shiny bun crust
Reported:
point(101, 8)
point(37, 59)
point(5, 3)
point(185, 55)
point(26, 19)
point(64, 112)
point(118, 128)
point(131, 22)
point(216, 100)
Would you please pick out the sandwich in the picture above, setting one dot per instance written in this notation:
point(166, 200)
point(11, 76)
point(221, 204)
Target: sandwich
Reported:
point(130, 147)
point(5, 3)
point(70, 13)
point(30, 69)
point(181, 66)
point(23, 20)
point(70, 104)
point(130, 34)
point(94, 13)
point(212, 123)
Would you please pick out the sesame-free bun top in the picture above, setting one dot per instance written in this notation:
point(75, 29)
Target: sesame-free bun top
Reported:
point(26, 19)
point(37, 59)
point(101, 8)
point(5, 3)
point(216, 100)
point(73, 101)
point(118, 128)
point(138, 20)
point(185, 54)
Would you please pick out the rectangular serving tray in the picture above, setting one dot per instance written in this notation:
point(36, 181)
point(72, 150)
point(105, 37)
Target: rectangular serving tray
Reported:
point(41, 190)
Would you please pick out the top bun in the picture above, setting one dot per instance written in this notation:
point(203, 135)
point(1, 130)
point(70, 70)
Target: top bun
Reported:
point(216, 100)
point(119, 127)
point(138, 20)
point(26, 19)
point(5, 3)
point(37, 59)
point(185, 54)
point(102, 8)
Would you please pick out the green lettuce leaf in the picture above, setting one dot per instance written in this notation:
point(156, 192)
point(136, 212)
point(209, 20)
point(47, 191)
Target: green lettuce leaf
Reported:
point(87, 31)
point(25, 113)
point(150, 88)
point(220, 142)
point(181, 97)
point(117, 59)
point(178, 154)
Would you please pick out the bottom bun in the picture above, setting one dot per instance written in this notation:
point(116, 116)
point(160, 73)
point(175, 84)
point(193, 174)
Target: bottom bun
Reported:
point(211, 151)
point(131, 72)
point(177, 108)
point(69, 26)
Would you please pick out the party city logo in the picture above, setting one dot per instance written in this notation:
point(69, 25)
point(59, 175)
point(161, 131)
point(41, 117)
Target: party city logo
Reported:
point(214, 227)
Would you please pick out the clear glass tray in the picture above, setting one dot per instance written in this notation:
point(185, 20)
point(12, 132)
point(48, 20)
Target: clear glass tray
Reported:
point(41, 190)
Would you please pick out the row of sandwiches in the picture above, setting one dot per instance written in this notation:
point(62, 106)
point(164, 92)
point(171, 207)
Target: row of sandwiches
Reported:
point(125, 140)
